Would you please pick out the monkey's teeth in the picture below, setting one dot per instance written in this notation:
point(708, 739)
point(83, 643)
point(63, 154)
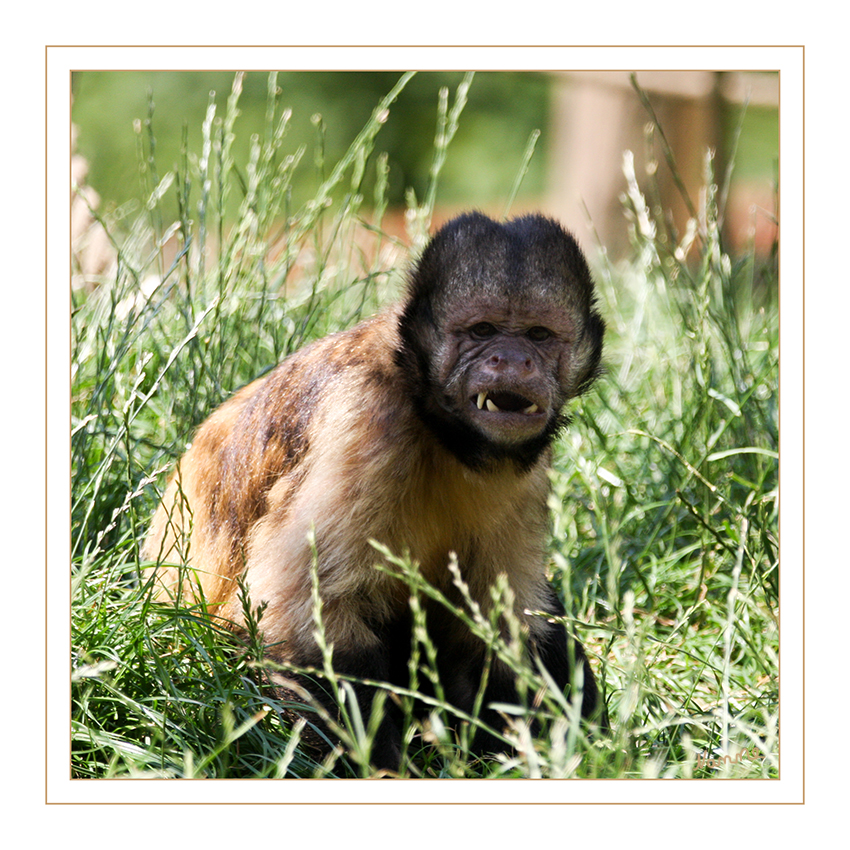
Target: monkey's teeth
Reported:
point(481, 401)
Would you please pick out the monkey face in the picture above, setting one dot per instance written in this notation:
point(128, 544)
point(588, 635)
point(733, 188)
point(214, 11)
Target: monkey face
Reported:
point(498, 332)
point(501, 375)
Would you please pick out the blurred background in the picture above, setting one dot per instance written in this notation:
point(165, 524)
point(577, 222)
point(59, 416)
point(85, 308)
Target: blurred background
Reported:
point(586, 119)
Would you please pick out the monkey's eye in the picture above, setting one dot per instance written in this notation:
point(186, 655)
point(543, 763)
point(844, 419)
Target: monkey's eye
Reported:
point(483, 330)
point(538, 334)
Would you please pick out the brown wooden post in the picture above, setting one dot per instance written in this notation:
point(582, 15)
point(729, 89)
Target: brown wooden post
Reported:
point(597, 115)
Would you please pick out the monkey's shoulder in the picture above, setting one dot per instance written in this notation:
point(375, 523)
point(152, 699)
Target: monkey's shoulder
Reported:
point(326, 372)
point(331, 386)
point(322, 408)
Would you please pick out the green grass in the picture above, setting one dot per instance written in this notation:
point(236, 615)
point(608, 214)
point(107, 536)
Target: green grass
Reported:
point(502, 105)
point(664, 490)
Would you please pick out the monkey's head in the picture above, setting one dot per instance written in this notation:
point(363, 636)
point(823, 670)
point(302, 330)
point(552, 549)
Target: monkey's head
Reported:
point(498, 332)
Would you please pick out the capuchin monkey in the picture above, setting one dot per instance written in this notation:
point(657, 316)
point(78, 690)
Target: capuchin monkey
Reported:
point(427, 428)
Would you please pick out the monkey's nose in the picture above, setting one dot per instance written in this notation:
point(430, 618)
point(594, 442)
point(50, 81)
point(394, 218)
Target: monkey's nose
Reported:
point(501, 362)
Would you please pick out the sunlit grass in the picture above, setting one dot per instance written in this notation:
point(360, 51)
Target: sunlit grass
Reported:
point(664, 491)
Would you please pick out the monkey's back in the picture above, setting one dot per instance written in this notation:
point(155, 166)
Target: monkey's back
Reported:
point(245, 449)
point(329, 445)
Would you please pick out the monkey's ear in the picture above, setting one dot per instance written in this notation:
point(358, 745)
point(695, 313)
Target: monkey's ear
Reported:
point(589, 355)
point(417, 336)
point(418, 321)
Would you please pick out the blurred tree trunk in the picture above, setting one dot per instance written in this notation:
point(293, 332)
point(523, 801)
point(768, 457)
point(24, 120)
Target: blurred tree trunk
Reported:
point(597, 115)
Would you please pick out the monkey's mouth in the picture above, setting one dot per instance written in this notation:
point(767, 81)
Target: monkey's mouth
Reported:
point(502, 401)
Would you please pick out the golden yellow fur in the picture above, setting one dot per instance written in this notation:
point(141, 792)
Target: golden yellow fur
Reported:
point(373, 471)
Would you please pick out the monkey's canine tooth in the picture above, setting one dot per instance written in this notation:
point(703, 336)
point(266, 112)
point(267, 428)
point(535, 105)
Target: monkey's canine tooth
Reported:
point(491, 406)
point(482, 397)
point(532, 408)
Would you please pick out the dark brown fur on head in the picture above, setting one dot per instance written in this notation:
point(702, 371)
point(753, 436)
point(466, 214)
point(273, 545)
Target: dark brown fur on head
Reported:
point(472, 270)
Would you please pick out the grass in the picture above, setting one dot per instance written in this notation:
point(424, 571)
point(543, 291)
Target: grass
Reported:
point(664, 489)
